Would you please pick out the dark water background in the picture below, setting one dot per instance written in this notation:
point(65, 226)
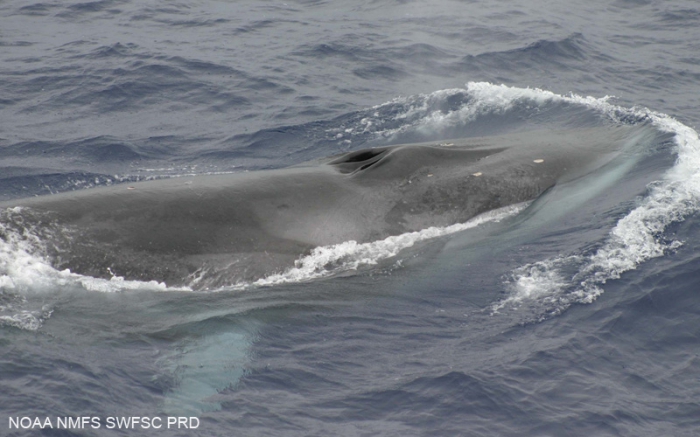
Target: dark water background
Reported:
point(578, 317)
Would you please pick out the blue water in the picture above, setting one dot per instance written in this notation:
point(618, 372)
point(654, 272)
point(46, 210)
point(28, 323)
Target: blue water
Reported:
point(579, 316)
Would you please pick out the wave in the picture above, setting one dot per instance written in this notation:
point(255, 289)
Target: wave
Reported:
point(331, 260)
point(636, 238)
point(27, 277)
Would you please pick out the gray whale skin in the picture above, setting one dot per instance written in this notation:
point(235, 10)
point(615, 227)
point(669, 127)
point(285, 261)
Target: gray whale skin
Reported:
point(211, 231)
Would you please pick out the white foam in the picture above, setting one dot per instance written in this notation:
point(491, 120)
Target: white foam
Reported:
point(425, 113)
point(351, 255)
point(27, 277)
point(25, 319)
point(636, 238)
point(23, 266)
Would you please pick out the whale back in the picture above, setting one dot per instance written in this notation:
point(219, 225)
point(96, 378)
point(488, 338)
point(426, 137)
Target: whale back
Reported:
point(228, 228)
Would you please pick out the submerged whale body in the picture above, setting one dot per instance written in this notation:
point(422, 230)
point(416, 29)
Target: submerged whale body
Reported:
point(222, 229)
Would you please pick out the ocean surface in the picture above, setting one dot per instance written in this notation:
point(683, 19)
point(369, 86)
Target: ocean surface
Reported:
point(575, 315)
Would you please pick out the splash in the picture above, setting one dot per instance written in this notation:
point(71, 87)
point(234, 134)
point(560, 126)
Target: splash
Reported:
point(28, 281)
point(479, 109)
point(636, 238)
point(331, 260)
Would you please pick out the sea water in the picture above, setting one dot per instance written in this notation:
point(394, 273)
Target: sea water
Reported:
point(575, 314)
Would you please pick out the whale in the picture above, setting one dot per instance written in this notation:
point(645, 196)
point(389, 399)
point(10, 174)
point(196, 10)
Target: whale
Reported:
point(216, 230)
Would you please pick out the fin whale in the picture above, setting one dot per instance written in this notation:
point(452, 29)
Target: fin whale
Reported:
point(210, 231)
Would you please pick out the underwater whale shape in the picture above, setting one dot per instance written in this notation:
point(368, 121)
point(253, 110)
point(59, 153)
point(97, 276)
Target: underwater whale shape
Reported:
point(216, 230)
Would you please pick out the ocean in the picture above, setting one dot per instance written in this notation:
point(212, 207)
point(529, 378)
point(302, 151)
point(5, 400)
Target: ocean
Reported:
point(576, 314)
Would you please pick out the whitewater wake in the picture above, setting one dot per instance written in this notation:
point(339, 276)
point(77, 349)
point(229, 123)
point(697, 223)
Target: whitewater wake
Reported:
point(636, 238)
